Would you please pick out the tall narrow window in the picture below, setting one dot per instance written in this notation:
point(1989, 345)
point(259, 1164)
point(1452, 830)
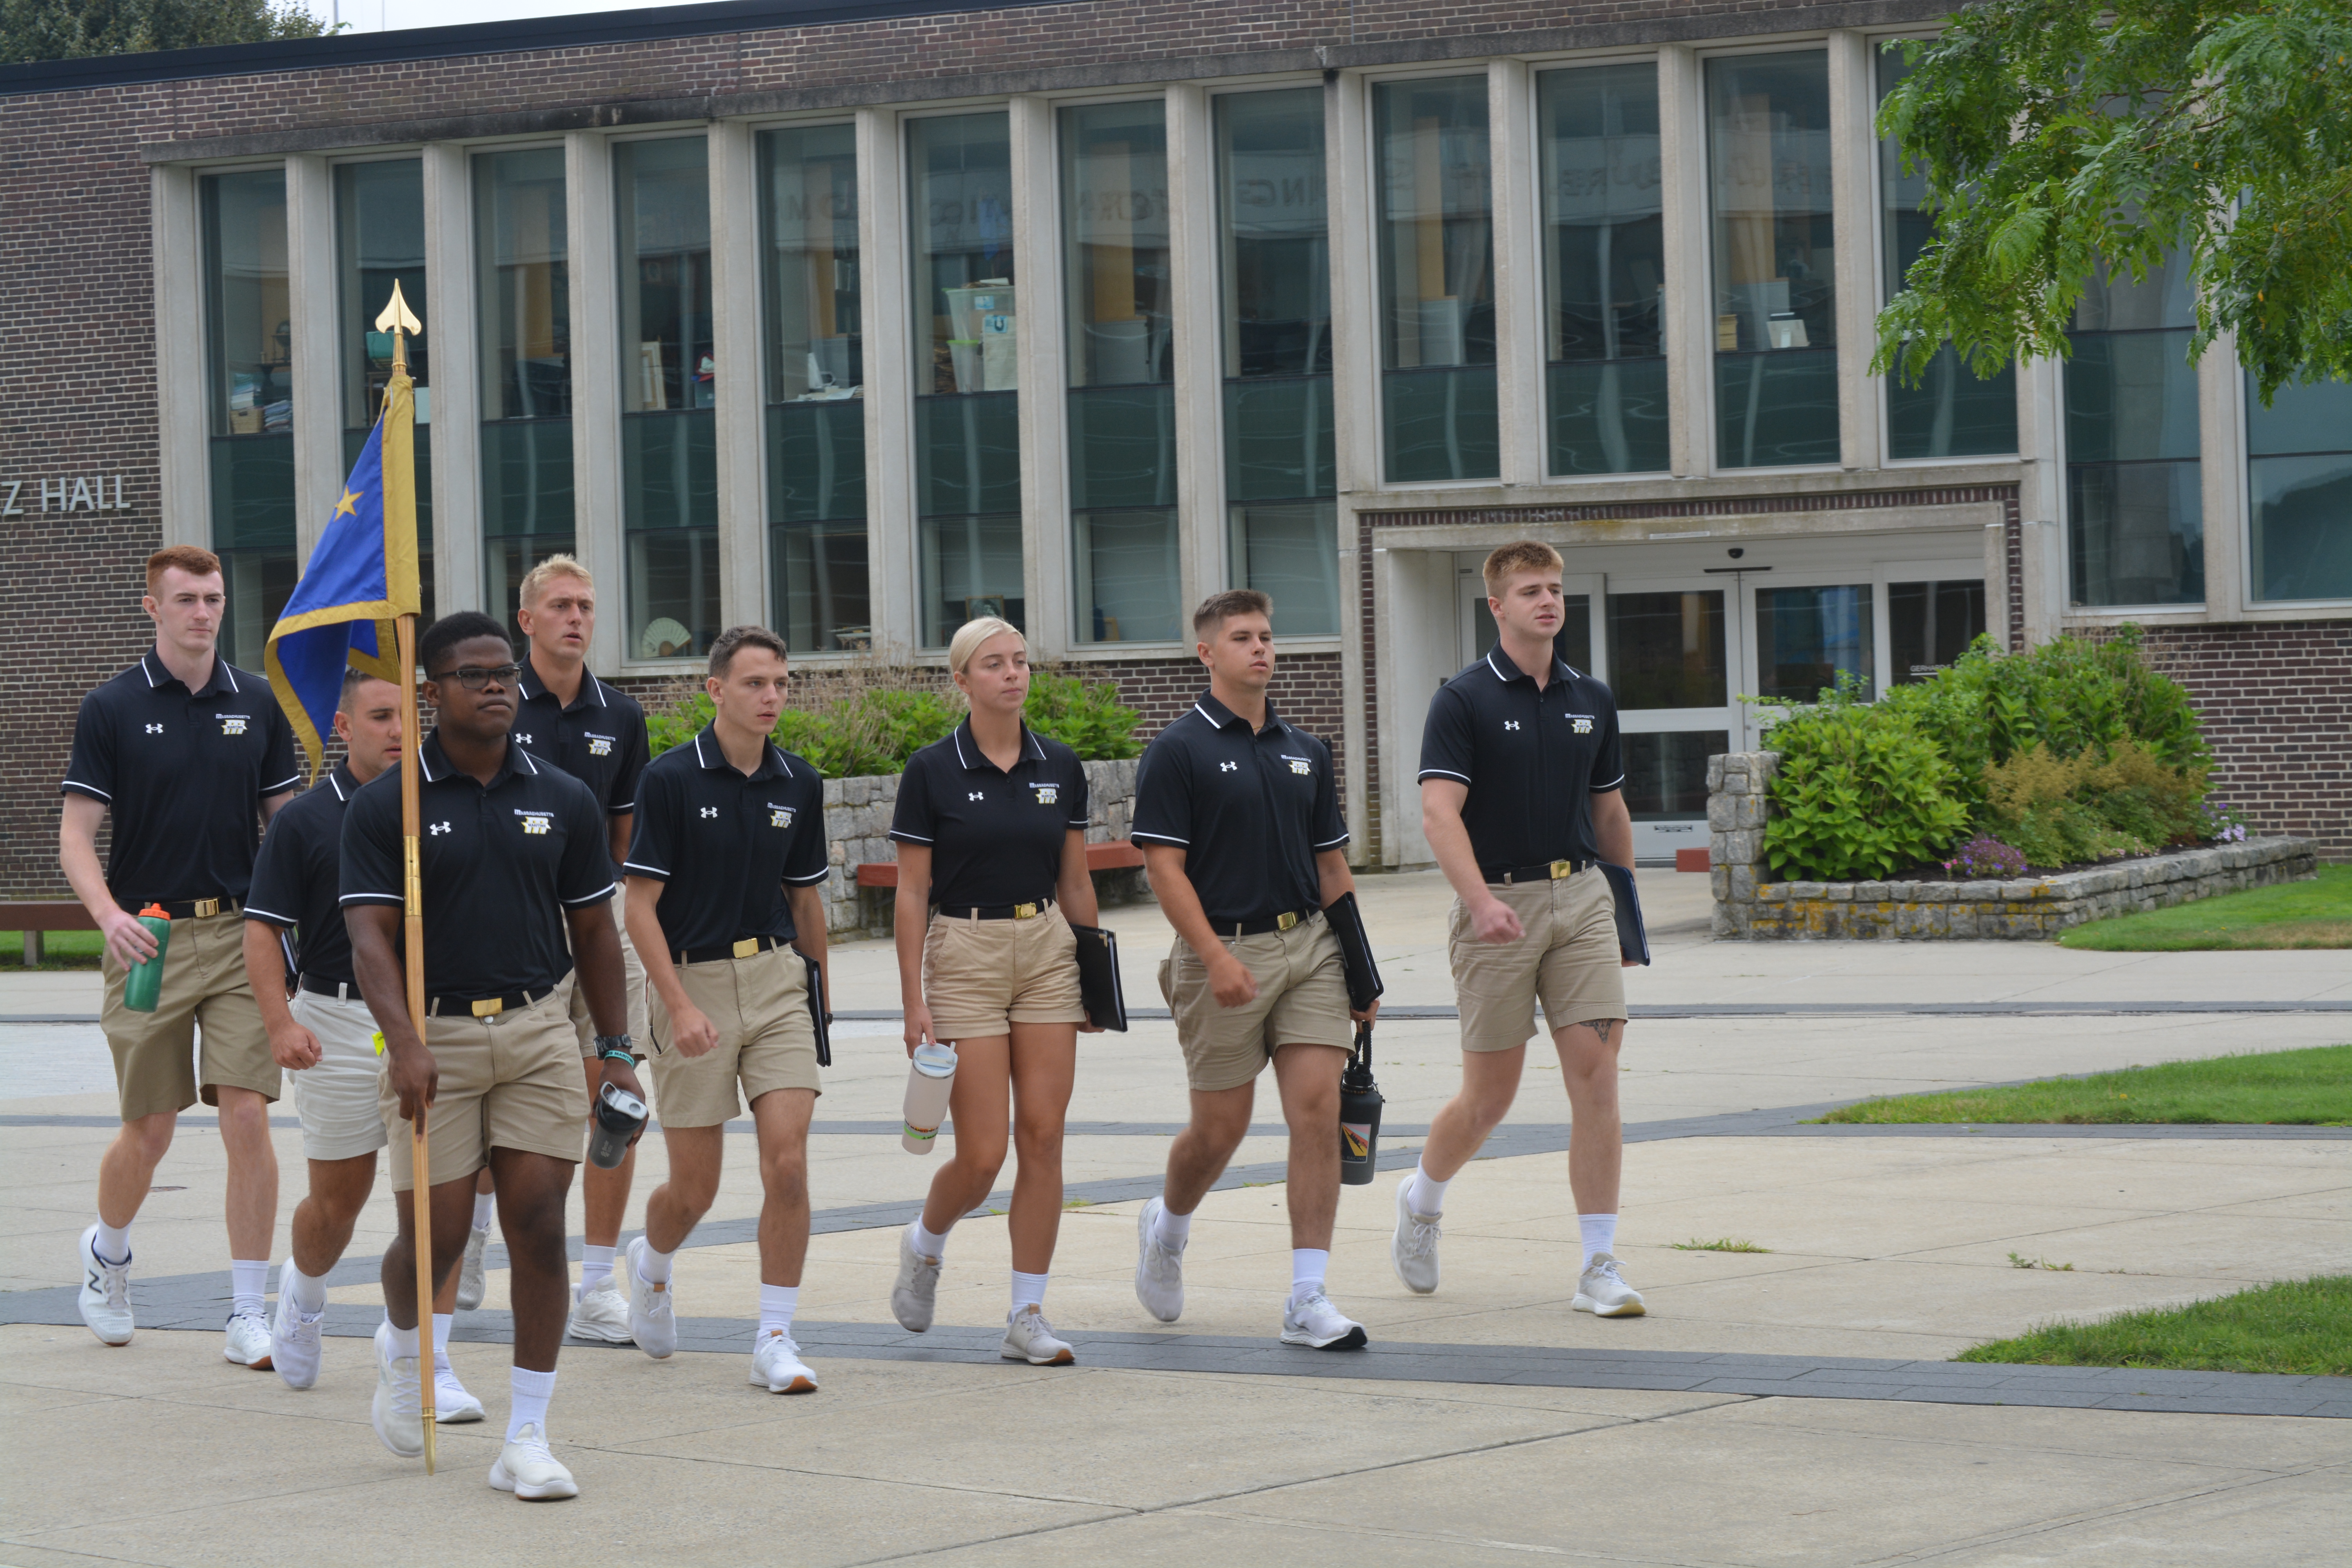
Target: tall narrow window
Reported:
point(1950, 412)
point(2299, 478)
point(2135, 509)
point(1123, 548)
point(1604, 271)
point(816, 376)
point(1776, 392)
point(1274, 262)
point(967, 373)
point(250, 385)
point(380, 237)
point(523, 291)
point(1437, 217)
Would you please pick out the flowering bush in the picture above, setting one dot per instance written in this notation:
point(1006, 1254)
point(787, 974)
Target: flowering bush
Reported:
point(1984, 856)
point(2221, 822)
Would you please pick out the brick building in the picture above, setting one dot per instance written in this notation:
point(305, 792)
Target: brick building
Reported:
point(861, 318)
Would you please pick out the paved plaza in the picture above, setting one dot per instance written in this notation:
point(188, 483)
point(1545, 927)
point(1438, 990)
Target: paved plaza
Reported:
point(1793, 1406)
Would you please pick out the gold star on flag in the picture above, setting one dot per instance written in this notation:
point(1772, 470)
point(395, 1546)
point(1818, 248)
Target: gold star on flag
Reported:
point(347, 507)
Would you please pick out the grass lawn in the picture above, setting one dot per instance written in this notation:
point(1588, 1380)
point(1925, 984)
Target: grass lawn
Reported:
point(61, 949)
point(2296, 1326)
point(2312, 1087)
point(2317, 913)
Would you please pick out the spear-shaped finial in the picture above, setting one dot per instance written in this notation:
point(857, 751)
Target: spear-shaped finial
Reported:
point(399, 320)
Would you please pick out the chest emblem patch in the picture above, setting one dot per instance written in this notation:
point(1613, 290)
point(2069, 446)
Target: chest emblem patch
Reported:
point(536, 823)
point(231, 724)
point(1047, 794)
point(1580, 722)
point(779, 815)
point(1304, 770)
point(437, 829)
point(600, 745)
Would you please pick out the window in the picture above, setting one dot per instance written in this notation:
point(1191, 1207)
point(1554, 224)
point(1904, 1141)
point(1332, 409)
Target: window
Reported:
point(1668, 649)
point(1949, 413)
point(816, 374)
point(379, 237)
point(1604, 269)
point(1275, 253)
point(249, 387)
point(1930, 625)
point(967, 372)
point(2135, 512)
point(1122, 401)
point(1436, 235)
point(2299, 485)
point(670, 423)
point(523, 292)
point(1776, 393)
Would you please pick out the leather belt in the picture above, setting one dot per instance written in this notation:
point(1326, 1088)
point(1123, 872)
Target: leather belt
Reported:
point(187, 908)
point(1283, 922)
point(1551, 871)
point(742, 947)
point(483, 1006)
point(341, 990)
point(1029, 911)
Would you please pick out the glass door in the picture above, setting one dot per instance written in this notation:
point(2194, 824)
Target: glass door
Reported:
point(1671, 648)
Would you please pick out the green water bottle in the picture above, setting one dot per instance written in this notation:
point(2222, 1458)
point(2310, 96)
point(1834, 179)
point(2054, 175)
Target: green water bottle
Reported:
point(143, 988)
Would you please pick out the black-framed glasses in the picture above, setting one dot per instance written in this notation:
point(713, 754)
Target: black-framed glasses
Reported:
point(474, 677)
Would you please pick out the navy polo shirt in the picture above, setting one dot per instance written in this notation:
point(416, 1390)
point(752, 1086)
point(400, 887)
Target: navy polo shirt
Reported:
point(996, 837)
point(500, 864)
point(183, 773)
point(725, 843)
point(298, 878)
point(1533, 759)
point(1249, 809)
point(599, 737)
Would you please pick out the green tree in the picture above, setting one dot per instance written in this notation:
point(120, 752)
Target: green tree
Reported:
point(69, 29)
point(2053, 135)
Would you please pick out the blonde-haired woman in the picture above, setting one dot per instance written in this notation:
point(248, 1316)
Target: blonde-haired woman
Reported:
point(991, 828)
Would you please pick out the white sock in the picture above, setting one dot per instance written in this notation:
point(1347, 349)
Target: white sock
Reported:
point(309, 1290)
point(595, 1267)
point(532, 1390)
point(441, 1322)
point(1424, 1194)
point(1308, 1264)
point(248, 1282)
point(483, 1204)
point(1173, 1229)
point(1599, 1233)
point(777, 1305)
point(924, 1242)
point(403, 1341)
point(1028, 1290)
point(113, 1243)
point(655, 1266)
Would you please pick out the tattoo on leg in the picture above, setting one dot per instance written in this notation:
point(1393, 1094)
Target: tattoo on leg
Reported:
point(1601, 1027)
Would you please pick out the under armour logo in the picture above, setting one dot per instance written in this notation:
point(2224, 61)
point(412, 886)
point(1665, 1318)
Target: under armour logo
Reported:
point(1229, 767)
point(977, 794)
point(1510, 723)
point(155, 728)
point(438, 828)
point(709, 811)
point(524, 740)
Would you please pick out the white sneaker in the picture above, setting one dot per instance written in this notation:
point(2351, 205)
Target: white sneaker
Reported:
point(1413, 1251)
point(526, 1468)
point(469, 1272)
point(601, 1314)
point(1318, 1325)
point(399, 1409)
point(776, 1364)
point(1159, 1271)
point(452, 1406)
point(105, 1293)
point(652, 1322)
point(294, 1336)
point(248, 1343)
point(1603, 1291)
point(915, 1298)
point(1029, 1337)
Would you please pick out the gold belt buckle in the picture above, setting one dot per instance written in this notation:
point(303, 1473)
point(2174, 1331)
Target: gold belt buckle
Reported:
point(1562, 868)
point(1286, 920)
point(205, 909)
point(747, 947)
point(489, 1007)
point(1024, 912)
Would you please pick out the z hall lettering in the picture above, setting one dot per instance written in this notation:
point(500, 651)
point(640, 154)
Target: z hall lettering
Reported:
point(78, 493)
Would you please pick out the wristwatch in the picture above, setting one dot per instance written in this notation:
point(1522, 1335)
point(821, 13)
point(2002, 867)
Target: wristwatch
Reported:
point(615, 1048)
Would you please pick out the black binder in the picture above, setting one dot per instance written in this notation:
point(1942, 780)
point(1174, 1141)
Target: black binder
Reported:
point(1098, 986)
point(1632, 940)
point(817, 1010)
point(1364, 985)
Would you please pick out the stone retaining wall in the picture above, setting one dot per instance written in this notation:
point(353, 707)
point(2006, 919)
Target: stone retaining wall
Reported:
point(1751, 906)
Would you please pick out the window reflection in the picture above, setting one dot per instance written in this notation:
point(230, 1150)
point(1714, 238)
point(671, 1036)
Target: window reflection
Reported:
point(2299, 474)
point(1665, 772)
point(1807, 637)
point(1930, 625)
point(1668, 651)
point(1436, 213)
point(523, 294)
point(249, 384)
point(2134, 506)
point(379, 237)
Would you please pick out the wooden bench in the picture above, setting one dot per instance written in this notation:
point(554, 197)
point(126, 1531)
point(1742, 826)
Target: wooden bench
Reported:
point(38, 916)
point(1117, 856)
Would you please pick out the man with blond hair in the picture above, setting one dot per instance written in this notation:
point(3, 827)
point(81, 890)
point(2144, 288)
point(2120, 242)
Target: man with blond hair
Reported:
point(190, 758)
point(1521, 796)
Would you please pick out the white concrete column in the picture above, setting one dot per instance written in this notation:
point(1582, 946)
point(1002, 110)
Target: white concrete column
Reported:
point(454, 332)
point(892, 560)
point(1355, 307)
point(1689, 306)
point(2040, 496)
point(1853, 198)
point(184, 412)
point(741, 353)
point(1518, 271)
point(1045, 378)
point(319, 325)
point(1200, 378)
point(2221, 444)
point(592, 266)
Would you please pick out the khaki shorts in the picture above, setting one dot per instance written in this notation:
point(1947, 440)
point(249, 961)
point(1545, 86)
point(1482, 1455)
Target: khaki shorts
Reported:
point(766, 1039)
point(1567, 954)
point(981, 977)
point(206, 1002)
point(633, 979)
point(336, 1099)
point(508, 1082)
point(1302, 1000)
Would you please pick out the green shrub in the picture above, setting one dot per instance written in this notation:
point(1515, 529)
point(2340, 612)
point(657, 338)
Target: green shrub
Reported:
point(2120, 799)
point(1860, 791)
point(1089, 720)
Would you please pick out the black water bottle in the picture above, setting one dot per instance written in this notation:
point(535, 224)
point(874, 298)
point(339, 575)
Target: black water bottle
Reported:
point(1360, 1114)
